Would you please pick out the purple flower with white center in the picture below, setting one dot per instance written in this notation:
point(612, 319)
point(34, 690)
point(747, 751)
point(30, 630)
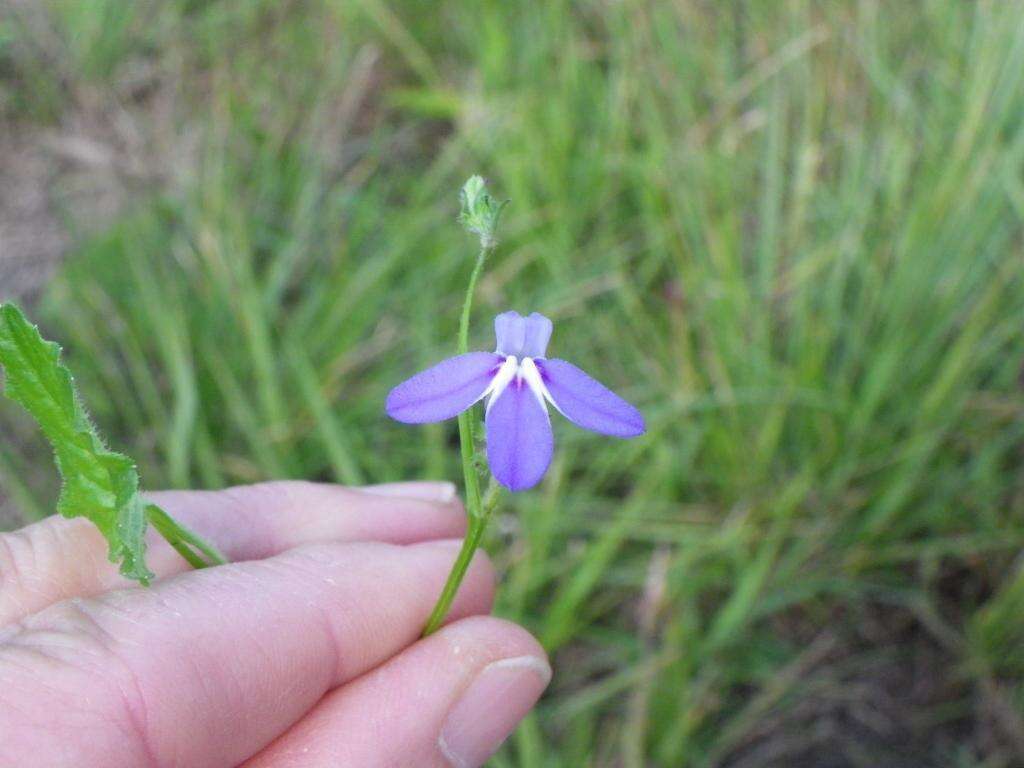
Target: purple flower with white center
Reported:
point(518, 382)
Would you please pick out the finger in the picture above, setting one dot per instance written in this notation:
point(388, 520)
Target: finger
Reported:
point(256, 521)
point(56, 559)
point(449, 700)
point(207, 668)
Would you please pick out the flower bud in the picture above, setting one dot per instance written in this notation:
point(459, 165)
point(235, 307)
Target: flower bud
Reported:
point(480, 211)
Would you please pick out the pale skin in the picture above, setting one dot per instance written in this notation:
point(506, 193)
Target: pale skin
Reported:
point(305, 651)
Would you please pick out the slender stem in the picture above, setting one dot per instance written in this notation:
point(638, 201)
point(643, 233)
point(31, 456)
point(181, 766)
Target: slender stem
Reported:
point(467, 302)
point(184, 541)
point(467, 442)
point(477, 526)
point(478, 510)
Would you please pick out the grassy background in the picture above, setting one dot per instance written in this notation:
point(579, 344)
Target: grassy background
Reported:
point(792, 232)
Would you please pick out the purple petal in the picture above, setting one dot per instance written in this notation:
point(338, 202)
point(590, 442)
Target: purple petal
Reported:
point(538, 334)
point(443, 391)
point(587, 402)
point(522, 336)
point(519, 439)
point(510, 331)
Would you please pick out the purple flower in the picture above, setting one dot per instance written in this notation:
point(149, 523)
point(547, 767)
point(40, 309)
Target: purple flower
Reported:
point(517, 379)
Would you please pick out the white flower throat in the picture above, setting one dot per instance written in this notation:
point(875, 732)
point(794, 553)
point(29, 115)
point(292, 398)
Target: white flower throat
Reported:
point(514, 369)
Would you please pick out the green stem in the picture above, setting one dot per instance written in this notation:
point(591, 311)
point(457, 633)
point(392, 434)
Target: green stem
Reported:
point(184, 541)
point(477, 510)
point(467, 441)
point(477, 526)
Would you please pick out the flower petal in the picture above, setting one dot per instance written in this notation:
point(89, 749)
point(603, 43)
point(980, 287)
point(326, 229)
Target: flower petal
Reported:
point(443, 391)
point(510, 331)
point(519, 438)
point(538, 334)
point(587, 402)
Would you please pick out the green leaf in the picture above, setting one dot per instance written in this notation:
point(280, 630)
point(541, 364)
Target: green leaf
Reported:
point(98, 484)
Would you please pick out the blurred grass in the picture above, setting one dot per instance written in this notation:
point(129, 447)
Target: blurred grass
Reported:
point(791, 232)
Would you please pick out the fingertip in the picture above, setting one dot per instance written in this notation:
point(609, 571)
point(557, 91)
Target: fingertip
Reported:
point(511, 672)
point(450, 699)
point(480, 640)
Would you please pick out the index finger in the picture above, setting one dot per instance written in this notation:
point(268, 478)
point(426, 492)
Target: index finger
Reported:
point(56, 559)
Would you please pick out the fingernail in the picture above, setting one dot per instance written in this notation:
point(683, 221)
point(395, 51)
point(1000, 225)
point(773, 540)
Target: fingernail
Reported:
point(490, 709)
point(442, 492)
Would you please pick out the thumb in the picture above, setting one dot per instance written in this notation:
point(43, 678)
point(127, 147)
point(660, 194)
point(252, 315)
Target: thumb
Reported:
point(449, 700)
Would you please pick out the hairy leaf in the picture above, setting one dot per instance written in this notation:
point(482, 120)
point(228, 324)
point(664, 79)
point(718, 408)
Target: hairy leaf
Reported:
point(98, 484)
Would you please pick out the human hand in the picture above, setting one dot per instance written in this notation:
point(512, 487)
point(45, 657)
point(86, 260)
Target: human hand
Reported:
point(305, 651)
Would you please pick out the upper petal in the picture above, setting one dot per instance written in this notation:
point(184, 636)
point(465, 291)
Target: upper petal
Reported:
point(510, 331)
point(443, 391)
point(538, 334)
point(587, 402)
point(522, 336)
point(519, 438)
